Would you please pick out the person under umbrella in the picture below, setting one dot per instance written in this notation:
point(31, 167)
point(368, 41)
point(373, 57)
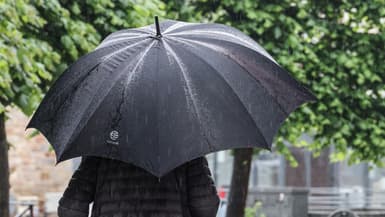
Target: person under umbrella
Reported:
point(158, 99)
point(120, 189)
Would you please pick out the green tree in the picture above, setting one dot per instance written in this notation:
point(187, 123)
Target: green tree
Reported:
point(25, 62)
point(333, 47)
point(38, 39)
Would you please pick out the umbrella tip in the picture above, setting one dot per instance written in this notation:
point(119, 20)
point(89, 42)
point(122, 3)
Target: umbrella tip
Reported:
point(157, 26)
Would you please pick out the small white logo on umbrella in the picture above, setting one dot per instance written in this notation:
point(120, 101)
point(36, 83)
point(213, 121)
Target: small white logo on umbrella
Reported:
point(114, 135)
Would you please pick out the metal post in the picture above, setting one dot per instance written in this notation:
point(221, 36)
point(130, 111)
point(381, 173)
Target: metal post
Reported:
point(366, 183)
point(307, 156)
point(282, 171)
point(31, 209)
point(334, 172)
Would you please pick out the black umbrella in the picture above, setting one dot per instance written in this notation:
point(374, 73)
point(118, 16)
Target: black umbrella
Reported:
point(158, 99)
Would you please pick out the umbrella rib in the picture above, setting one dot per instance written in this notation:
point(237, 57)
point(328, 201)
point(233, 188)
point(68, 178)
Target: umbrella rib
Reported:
point(177, 26)
point(189, 91)
point(122, 34)
point(77, 125)
point(205, 45)
point(247, 44)
point(116, 41)
point(157, 109)
point(81, 79)
point(106, 57)
point(239, 99)
point(130, 76)
point(138, 34)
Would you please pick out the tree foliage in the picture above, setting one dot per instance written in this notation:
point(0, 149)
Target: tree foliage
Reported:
point(25, 60)
point(336, 49)
point(38, 39)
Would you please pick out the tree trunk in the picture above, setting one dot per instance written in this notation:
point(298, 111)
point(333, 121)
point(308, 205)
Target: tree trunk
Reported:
point(239, 182)
point(4, 170)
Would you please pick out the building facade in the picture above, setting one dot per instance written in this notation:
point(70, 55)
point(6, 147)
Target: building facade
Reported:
point(271, 169)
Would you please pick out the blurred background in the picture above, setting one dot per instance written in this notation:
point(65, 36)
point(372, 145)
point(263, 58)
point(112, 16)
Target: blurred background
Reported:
point(327, 156)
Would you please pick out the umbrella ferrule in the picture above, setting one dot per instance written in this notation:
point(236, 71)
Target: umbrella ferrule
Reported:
point(158, 34)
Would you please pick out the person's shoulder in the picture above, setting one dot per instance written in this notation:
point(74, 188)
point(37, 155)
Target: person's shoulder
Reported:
point(197, 164)
point(198, 160)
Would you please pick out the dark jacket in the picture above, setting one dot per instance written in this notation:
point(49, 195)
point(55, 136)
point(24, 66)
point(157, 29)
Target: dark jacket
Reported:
point(118, 189)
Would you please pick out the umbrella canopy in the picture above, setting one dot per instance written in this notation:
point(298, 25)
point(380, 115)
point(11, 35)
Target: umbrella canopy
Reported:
point(160, 95)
